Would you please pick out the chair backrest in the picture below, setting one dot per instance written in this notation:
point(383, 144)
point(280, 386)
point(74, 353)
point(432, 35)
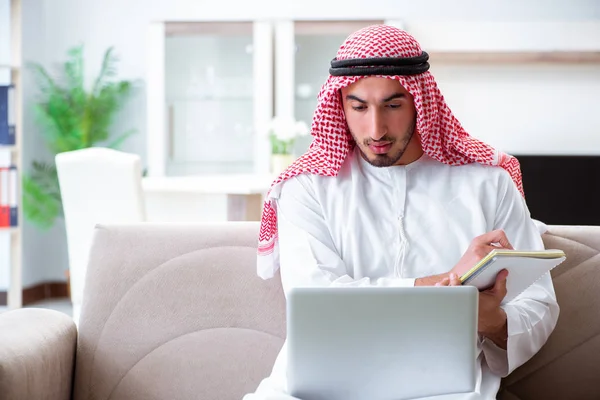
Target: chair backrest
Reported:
point(98, 185)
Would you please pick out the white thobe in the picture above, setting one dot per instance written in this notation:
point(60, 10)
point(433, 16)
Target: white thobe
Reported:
point(372, 226)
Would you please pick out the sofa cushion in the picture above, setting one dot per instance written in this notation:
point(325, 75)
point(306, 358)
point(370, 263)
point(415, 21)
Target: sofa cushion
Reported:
point(37, 354)
point(567, 367)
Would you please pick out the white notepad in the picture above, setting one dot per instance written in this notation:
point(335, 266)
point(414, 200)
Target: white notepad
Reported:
point(524, 269)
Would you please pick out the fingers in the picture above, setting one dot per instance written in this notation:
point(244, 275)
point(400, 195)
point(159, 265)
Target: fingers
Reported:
point(500, 285)
point(443, 282)
point(497, 236)
point(451, 280)
point(454, 280)
point(502, 275)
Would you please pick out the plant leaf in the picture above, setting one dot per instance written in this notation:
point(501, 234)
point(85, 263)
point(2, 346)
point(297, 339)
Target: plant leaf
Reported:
point(40, 206)
point(70, 118)
point(108, 70)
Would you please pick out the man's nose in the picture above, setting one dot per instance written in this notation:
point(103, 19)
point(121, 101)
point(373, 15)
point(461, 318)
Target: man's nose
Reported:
point(378, 128)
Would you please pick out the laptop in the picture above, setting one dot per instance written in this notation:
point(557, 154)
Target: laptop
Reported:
point(375, 343)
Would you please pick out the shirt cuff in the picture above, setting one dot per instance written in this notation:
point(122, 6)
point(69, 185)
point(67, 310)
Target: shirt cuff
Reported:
point(495, 357)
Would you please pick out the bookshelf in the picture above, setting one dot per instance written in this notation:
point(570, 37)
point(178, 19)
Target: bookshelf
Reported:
point(13, 155)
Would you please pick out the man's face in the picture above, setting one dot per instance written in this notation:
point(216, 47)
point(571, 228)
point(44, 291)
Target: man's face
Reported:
point(381, 116)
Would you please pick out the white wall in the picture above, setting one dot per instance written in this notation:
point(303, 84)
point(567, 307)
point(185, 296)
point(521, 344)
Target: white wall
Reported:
point(53, 26)
point(527, 109)
point(44, 252)
point(4, 40)
point(520, 109)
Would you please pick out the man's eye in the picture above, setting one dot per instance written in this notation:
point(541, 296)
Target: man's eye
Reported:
point(358, 108)
point(394, 105)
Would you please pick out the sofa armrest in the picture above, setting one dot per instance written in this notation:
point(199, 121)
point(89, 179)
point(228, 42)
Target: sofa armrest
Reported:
point(37, 354)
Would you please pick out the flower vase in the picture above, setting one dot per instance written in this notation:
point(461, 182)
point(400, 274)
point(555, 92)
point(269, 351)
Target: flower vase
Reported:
point(280, 162)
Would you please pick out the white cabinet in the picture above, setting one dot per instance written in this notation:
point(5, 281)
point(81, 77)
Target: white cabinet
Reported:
point(213, 87)
point(210, 97)
point(204, 78)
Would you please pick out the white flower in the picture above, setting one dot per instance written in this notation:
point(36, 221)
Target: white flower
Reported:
point(300, 128)
point(286, 128)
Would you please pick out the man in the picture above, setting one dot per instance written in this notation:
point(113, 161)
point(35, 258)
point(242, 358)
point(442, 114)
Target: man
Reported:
point(394, 192)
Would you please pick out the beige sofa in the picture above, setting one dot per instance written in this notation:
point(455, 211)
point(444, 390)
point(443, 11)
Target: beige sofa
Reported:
point(177, 312)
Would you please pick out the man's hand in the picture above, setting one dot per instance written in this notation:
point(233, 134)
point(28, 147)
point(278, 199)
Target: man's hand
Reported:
point(479, 248)
point(432, 280)
point(492, 319)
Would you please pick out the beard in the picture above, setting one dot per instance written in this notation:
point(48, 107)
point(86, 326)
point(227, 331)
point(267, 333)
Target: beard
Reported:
point(397, 150)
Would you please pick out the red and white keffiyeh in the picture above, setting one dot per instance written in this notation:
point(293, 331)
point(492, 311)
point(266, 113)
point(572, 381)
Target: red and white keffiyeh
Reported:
point(442, 136)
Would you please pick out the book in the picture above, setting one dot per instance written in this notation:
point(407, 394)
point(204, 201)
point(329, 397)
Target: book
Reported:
point(7, 115)
point(4, 206)
point(524, 269)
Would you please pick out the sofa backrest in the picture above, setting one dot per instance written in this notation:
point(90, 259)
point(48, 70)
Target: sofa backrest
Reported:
point(568, 366)
point(177, 311)
point(174, 312)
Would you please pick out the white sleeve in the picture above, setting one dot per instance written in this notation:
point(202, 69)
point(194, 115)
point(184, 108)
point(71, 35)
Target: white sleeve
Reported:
point(532, 316)
point(307, 253)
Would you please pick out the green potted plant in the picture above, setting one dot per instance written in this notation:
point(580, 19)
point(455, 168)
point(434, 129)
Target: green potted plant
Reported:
point(72, 117)
point(283, 133)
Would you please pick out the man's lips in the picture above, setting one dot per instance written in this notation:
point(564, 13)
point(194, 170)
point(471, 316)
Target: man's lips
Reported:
point(380, 148)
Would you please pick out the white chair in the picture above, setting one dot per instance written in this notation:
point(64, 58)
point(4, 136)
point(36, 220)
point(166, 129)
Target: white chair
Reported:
point(98, 185)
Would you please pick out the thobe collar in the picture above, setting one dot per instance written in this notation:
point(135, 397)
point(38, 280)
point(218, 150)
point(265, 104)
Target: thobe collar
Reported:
point(386, 171)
